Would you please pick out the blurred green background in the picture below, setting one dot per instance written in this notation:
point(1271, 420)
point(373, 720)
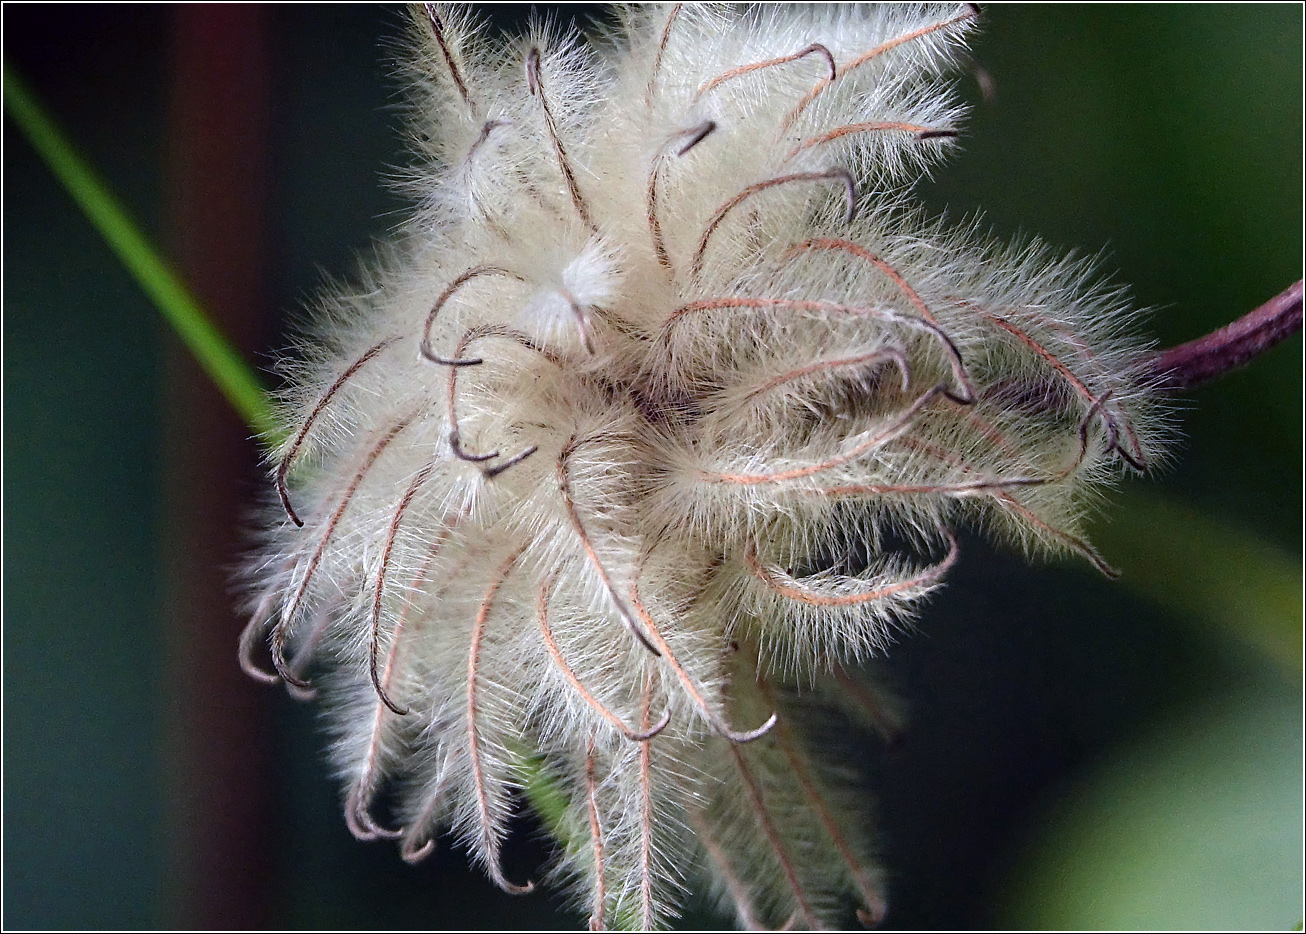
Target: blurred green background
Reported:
point(1082, 753)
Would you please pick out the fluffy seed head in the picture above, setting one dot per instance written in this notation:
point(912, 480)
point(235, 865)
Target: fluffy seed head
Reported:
point(657, 418)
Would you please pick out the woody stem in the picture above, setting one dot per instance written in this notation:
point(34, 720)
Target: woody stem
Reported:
point(1232, 346)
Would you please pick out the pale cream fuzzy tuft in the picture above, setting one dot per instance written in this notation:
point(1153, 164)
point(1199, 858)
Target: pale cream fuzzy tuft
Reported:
point(604, 465)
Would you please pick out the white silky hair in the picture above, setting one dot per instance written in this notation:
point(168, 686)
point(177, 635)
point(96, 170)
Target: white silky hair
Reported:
point(593, 480)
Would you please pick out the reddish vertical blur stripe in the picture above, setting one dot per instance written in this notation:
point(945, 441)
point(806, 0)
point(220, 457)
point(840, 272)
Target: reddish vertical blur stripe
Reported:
point(220, 827)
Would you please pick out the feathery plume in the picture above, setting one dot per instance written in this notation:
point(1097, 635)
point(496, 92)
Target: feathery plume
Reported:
point(603, 467)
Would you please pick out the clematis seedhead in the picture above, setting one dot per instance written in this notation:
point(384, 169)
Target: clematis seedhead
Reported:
point(661, 415)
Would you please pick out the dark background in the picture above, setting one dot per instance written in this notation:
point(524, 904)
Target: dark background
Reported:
point(146, 785)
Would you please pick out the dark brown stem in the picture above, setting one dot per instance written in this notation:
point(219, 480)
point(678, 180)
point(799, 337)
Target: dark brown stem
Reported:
point(216, 765)
point(1232, 346)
